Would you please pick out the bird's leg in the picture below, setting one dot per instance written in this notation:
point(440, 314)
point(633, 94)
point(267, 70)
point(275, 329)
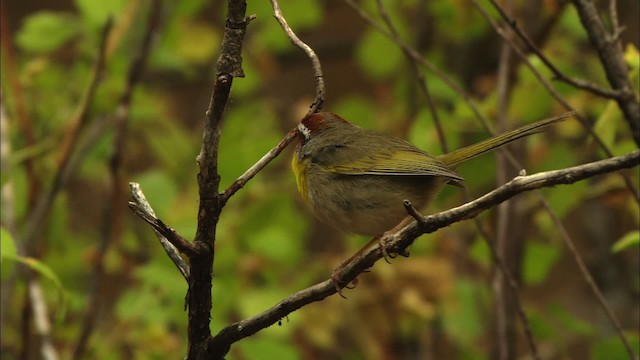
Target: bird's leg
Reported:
point(383, 245)
point(380, 239)
point(334, 274)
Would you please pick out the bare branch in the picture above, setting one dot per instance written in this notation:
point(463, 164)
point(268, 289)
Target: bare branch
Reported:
point(401, 240)
point(315, 61)
point(41, 210)
point(259, 165)
point(420, 78)
point(579, 83)
point(612, 59)
point(142, 211)
point(113, 213)
point(551, 90)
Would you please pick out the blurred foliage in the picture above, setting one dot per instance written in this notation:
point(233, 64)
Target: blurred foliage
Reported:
point(436, 304)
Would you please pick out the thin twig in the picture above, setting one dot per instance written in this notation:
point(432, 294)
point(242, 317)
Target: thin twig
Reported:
point(318, 102)
point(553, 92)
point(40, 211)
point(420, 78)
point(579, 83)
point(589, 279)
point(140, 200)
point(21, 113)
point(259, 165)
point(182, 244)
point(113, 214)
point(427, 64)
point(406, 236)
point(612, 59)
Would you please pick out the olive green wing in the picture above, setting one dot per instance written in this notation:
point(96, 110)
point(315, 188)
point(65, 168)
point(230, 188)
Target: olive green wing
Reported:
point(405, 160)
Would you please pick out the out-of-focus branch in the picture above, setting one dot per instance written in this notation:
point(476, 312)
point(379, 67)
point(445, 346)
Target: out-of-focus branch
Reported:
point(113, 213)
point(315, 61)
point(579, 83)
point(259, 165)
point(402, 239)
point(553, 92)
point(21, 112)
point(37, 218)
point(612, 59)
point(420, 78)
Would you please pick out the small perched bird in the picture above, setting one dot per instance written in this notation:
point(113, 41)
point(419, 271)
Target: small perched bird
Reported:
point(357, 179)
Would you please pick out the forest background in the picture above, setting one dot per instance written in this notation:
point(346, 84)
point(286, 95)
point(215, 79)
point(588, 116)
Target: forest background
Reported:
point(75, 137)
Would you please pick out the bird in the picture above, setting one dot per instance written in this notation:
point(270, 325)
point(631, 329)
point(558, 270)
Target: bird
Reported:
point(359, 180)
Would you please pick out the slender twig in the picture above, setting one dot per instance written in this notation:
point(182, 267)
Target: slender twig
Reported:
point(318, 102)
point(420, 78)
point(183, 245)
point(113, 215)
point(259, 165)
point(589, 280)
point(290, 136)
point(579, 83)
point(612, 59)
point(406, 236)
point(40, 211)
point(553, 92)
point(21, 113)
point(446, 79)
point(174, 254)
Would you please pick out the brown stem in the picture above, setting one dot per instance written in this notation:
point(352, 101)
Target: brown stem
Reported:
point(612, 58)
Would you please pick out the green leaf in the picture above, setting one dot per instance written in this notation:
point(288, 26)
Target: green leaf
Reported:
point(628, 240)
point(538, 260)
point(7, 246)
point(96, 12)
point(571, 322)
point(45, 31)
point(39, 267)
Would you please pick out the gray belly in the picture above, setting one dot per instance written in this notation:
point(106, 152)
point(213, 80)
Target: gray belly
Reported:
point(369, 204)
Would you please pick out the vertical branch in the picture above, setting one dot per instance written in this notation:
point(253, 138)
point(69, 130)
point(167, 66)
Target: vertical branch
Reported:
point(505, 247)
point(37, 218)
point(200, 281)
point(611, 56)
point(21, 113)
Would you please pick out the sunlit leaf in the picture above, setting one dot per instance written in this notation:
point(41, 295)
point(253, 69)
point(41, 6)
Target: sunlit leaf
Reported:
point(97, 12)
point(46, 31)
point(628, 240)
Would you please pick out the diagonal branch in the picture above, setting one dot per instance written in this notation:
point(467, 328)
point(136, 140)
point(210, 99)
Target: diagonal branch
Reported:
point(315, 61)
point(579, 83)
point(612, 59)
point(140, 202)
point(401, 240)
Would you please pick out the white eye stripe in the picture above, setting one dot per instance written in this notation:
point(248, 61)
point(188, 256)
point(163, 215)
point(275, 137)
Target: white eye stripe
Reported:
point(304, 131)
